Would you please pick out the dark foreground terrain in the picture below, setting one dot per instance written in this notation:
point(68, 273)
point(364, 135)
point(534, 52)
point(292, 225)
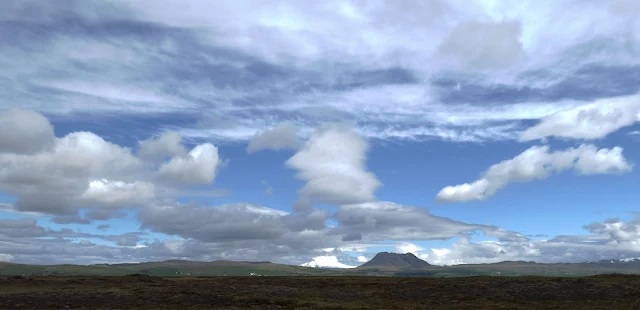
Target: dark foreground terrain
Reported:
point(146, 292)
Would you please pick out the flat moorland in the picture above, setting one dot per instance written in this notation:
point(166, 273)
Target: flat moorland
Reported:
point(483, 292)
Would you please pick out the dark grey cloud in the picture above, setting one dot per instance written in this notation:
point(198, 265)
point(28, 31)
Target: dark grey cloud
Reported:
point(354, 236)
point(390, 221)
point(313, 219)
point(609, 239)
point(245, 229)
point(27, 242)
point(126, 239)
point(28, 228)
point(21, 228)
point(214, 224)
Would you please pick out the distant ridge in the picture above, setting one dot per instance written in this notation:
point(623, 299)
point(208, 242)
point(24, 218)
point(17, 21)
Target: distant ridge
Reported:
point(386, 259)
point(624, 261)
point(515, 262)
point(383, 264)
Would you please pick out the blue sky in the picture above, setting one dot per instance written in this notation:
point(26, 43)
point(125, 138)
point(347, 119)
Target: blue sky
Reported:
point(460, 131)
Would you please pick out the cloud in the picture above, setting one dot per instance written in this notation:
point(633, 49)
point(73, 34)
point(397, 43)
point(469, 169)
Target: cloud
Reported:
point(10, 208)
point(128, 239)
point(21, 228)
point(381, 220)
point(616, 230)
point(200, 166)
point(610, 239)
point(333, 162)
point(161, 72)
point(218, 224)
point(266, 232)
point(200, 235)
point(589, 122)
point(119, 193)
point(51, 181)
point(305, 68)
point(83, 171)
point(538, 163)
point(326, 261)
point(24, 132)
point(406, 247)
point(25, 241)
point(6, 258)
point(283, 136)
point(484, 44)
point(354, 236)
point(465, 251)
point(28, 228)
point(168, 144)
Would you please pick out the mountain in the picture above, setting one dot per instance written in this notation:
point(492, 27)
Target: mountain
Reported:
point(386, 259)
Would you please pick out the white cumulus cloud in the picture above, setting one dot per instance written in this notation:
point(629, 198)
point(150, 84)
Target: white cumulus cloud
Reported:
point(534, 163)
point(81, 170)
point(118, 192)
point(198, 167)
point(168, 144)
point(327, 261)
point(333, 162)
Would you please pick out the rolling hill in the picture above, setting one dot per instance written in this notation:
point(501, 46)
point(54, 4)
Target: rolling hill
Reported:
point(166, 269)
point(383, 264)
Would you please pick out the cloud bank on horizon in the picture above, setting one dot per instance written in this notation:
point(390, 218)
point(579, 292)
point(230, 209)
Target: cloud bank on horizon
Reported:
point(151, 130)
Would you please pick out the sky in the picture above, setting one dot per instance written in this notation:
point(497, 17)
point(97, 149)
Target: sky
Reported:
point(325, 132)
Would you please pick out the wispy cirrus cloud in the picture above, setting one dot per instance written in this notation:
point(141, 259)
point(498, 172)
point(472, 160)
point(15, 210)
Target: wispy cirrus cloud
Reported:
point(255, 66)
